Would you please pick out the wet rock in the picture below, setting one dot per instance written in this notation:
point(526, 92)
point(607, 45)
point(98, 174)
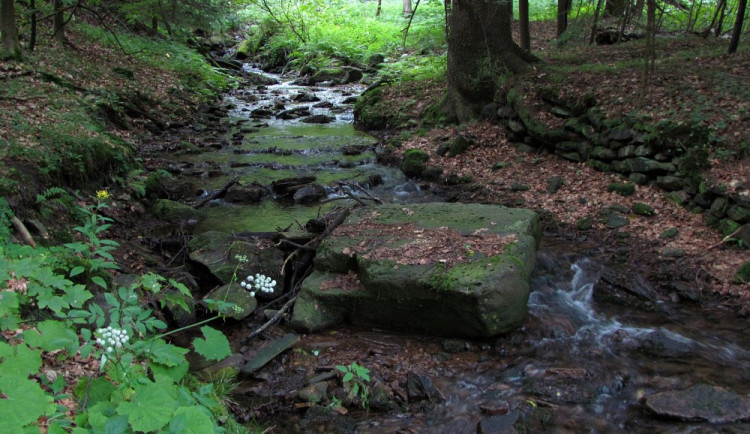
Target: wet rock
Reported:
point(502, 424)
point(391, 267)
point(318, 119)
point(269, 352)
point(310, 193)
point(420, 387)
point(287, 186)
point(294, 113)
point(350, 100)
point(381, 396)
point(171, 211)
point(665, 344)
point(223, 254)
point(700, 403)
point(314, 393)
point(261, 113)
point(495, 408)
point(323, 104)
point(342, 75)
point(245, 194)
point(306, 97)
point(255, 79)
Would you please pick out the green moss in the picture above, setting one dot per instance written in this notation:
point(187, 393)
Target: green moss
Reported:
point(414, 163)
point(743, 274)
point(622, 189)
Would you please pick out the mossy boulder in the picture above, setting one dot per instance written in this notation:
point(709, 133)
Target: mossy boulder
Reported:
point(171, 211)
point(233, 293)
point(371, 112)
point(622, 189)
point(414, 162)
point(224, 255)
point(445, 268)
point(245, 49)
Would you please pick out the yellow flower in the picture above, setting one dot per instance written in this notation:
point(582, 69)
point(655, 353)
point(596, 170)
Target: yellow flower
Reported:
point(102, 194)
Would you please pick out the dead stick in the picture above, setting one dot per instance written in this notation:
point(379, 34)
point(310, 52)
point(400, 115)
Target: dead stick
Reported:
point(219, 193)
point(21, 228)
point(725, 239)
point(270, 322)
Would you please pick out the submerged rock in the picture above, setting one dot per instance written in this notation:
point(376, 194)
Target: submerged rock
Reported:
point(700, 403)
point(446, 268)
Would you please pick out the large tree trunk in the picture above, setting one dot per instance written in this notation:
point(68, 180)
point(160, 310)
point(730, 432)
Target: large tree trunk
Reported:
point(8, 27)
point(563, 7)
point(480, 49)
point(58, 21)
point(615, 8)
point(523, 24)
point(407, 7)
point(735, 41)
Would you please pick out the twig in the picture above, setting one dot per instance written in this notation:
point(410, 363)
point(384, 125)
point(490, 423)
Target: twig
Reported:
point(365, 192)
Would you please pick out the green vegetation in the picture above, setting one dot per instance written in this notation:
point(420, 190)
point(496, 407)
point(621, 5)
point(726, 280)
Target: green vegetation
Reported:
point(135, 379)
point(356, 379)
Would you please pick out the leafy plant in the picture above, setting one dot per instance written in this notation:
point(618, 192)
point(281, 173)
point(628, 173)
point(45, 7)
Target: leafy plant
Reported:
point(356, 378)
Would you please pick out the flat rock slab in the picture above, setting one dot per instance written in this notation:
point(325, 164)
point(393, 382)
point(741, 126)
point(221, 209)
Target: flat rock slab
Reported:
point(700, 403)
point(444, 268)
point(269, 352)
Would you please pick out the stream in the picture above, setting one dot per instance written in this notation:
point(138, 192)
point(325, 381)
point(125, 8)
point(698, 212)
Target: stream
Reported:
point(580, 363)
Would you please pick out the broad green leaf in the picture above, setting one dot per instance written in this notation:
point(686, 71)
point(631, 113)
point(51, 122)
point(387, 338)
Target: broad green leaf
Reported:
point(175, 373)
point(94, 390)
point(24, 402)
point(116, 425)
point(111, 300)
point(76, 271)
point(191, 420)
point(77, 295)
point(19, 360)
point(215, 346)
point(161, 352)
point(99, 281)
point(52, 335)
point(150, 409)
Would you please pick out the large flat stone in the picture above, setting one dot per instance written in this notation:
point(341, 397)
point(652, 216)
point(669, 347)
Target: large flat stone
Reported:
point(448, 269)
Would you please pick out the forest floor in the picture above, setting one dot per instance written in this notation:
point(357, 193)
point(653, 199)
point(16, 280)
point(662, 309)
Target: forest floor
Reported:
point(694, 80)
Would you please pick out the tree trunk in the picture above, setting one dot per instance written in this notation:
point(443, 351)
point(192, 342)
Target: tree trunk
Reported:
point(595, 24)
point(8, 27)
point(32, 31)
point(58, 21)
point(735, 41)
point(480, 49)
point(523, 24)
point(407, 7)
point(380, 5)
point(720, 24)
point(649, 52)
point(563, 6)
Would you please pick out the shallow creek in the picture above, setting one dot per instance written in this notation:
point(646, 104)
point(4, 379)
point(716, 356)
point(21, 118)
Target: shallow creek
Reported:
point(579, 364)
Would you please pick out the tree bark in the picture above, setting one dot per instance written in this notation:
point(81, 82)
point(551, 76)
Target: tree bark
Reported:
point(735, 41)
point(523, 24)
point(563, 6)
point(595, 24)
point(407, 7)
point(8, 27)
point(58, 21)
point(380, 4)
point(615, 8)
point(480, 49)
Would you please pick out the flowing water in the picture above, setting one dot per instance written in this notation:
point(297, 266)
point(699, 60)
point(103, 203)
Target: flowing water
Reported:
point(579, 363)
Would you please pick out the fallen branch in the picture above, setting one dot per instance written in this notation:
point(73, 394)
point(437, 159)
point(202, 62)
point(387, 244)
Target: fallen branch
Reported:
point(21, 228)
point(218, 193)
point(270, 322)
point(725, 239)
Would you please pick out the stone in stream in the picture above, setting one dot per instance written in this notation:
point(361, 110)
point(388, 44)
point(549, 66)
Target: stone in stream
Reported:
point(310, 193)
point(318, 119)
point(225, 254)
point(700, 403)
point(445, 268)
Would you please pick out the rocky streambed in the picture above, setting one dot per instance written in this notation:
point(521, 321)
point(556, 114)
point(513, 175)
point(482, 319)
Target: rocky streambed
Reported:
point(598, 349)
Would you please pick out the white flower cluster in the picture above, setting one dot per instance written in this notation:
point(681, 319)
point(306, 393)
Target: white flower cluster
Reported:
point(259, 281)
point(110, 338)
